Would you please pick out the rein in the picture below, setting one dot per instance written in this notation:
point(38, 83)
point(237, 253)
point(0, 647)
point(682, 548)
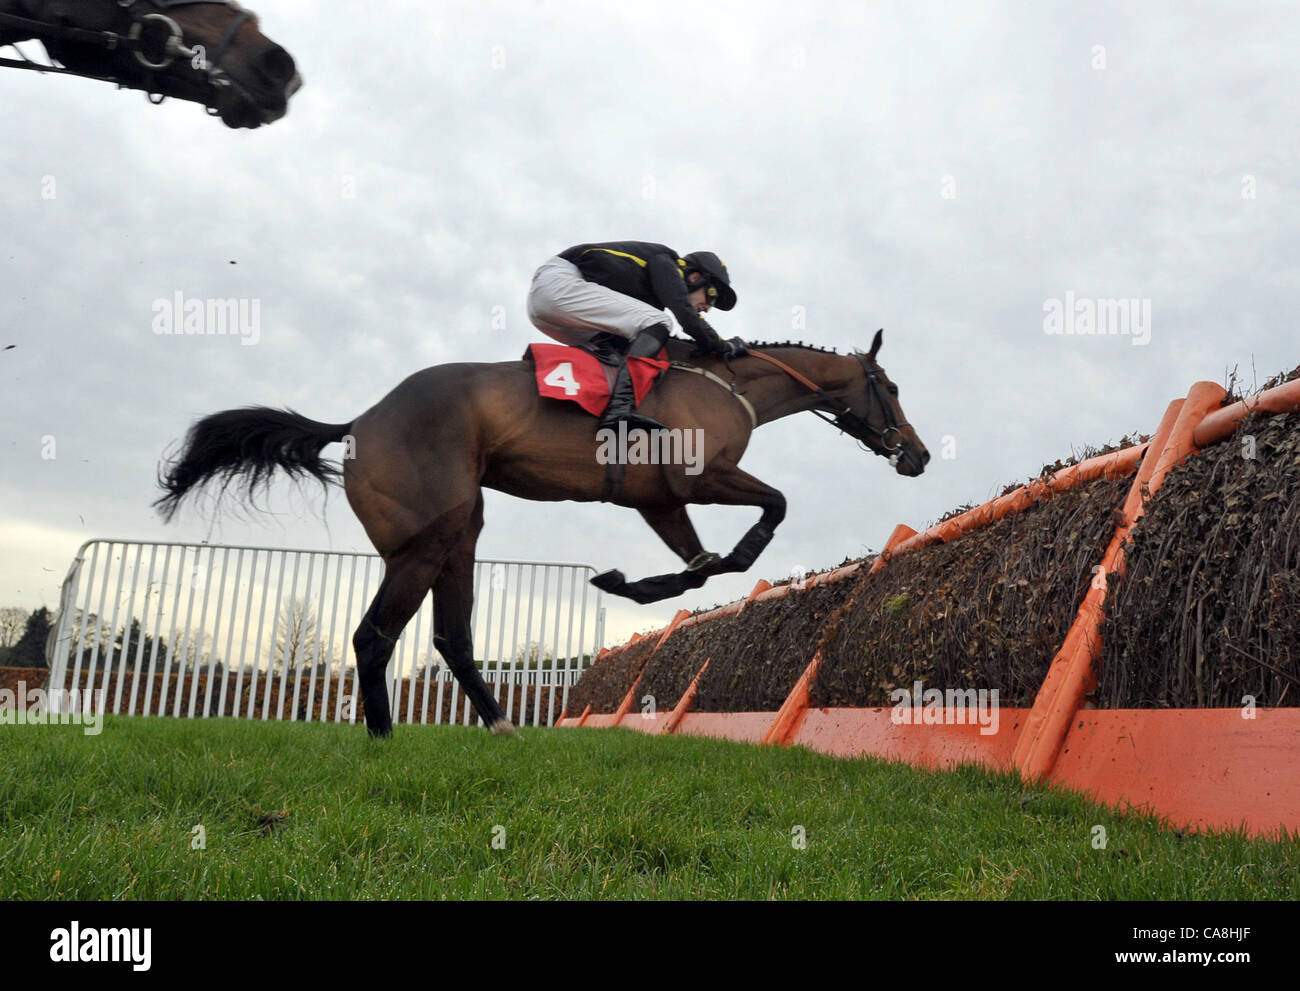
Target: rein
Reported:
point(136, 43)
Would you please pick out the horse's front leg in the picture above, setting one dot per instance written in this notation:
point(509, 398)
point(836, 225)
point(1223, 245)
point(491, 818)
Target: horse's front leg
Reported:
point(726, 485)
point(677, 531)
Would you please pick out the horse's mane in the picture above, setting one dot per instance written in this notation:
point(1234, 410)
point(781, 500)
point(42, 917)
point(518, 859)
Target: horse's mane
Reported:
point(790, 344)
point(686, 342)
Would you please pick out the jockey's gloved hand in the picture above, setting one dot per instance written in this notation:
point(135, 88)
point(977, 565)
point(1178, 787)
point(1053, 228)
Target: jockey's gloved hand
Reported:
point(711, 343)
point(729, 349)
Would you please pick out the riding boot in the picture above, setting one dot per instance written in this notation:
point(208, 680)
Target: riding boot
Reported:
point(622, 400)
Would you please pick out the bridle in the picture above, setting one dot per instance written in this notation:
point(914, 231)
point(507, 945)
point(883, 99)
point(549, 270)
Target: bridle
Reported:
point(842, 415)
point(151, 56)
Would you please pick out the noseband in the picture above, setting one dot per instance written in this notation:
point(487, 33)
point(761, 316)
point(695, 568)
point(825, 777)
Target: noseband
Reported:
point(134, 42)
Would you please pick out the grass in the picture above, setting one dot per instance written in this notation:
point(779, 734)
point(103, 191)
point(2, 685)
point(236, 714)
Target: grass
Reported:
point(312, 811)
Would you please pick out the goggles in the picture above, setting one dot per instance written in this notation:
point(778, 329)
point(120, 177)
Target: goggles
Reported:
point(705, 283)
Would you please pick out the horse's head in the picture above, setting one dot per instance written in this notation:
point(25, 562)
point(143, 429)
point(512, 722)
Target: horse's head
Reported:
point(205, 51)
point(883, 427)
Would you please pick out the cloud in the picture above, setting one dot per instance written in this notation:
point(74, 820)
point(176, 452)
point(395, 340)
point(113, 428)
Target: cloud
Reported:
point(934, 170)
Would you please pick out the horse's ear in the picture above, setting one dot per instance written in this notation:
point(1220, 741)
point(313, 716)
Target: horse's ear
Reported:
point(875, 343)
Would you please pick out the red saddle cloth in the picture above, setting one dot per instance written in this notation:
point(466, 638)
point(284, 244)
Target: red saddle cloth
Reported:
point(579, 376)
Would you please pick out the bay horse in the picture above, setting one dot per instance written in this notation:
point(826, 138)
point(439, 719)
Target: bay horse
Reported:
point(205, 51)
point(415, 465)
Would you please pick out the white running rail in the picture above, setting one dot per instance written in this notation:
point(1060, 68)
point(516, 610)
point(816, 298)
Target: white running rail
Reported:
point(205, 630)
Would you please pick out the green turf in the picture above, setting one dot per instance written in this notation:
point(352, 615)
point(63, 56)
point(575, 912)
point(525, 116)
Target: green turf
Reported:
point(322, 812)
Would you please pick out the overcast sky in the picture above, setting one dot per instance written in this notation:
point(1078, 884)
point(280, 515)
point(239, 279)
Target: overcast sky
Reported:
point(944, 172)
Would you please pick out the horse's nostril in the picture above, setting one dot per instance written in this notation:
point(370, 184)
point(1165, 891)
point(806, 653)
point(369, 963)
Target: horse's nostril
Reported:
point(925, 457)
point(277, 65)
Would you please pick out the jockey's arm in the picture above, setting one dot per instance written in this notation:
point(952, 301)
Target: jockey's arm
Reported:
point(670, 287)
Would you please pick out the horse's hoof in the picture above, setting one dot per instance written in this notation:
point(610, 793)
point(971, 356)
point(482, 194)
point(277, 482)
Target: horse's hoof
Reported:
point(703, 560)
point(607, 581)
point(504, 727)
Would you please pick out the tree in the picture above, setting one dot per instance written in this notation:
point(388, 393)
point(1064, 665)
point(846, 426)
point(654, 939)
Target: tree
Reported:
point(194, 651)
point(12, 622)
point(533, 656)
point(131, 639)
point(296, 637)
point(89, 637)
point(29, 651)
point(431, 664)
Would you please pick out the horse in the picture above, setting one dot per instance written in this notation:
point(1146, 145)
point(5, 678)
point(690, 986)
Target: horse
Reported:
point(210, 52)
point(415, 465)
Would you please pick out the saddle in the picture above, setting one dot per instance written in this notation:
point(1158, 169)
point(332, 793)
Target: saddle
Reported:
point(585, 375)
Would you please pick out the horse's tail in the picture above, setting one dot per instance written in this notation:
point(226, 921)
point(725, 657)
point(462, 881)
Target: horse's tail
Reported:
point(251, 442)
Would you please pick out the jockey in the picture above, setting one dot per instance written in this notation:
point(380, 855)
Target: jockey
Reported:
point(622, 288)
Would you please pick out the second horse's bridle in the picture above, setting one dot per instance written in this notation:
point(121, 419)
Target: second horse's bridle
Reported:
point(175, 44)
point(151, 56)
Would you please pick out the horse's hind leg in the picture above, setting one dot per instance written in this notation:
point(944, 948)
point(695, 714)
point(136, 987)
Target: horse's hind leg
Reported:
point(453, 597)
point(403, 589)
point(410, 572)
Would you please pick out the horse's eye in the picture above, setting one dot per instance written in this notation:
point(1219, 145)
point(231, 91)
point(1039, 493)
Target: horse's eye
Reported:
point(893, 390)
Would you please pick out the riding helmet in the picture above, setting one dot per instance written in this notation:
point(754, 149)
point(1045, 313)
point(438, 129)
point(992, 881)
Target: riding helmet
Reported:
point(711, 266)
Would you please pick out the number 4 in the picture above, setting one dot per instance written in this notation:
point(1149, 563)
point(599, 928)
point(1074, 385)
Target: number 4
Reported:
point(561, 376)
